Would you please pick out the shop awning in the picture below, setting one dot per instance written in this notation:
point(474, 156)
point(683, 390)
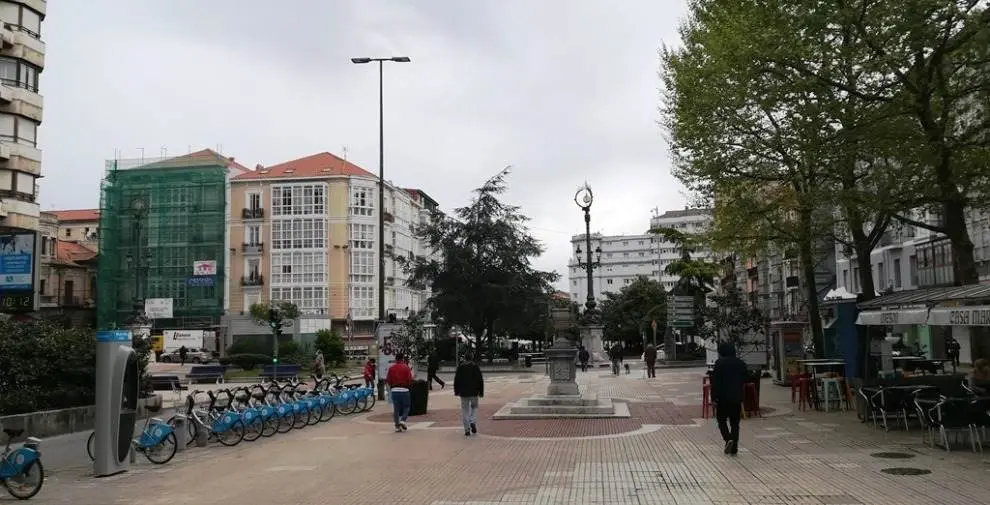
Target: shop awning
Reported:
point(977, 315)
point(892, 317)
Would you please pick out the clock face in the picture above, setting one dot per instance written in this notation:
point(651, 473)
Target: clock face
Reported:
point(584, 197)
point(17, 302)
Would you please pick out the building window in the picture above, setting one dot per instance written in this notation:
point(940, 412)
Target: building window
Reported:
point(897, 273)
point(68, 232)
point(362, 236)
point(254, 201)
point(299, 200)
point(609, 281)
point(27, 132)
point(362, 266)
point(298, 267)
point(361, 201)
point(362, 302)
point(309, 299)
point(913, 267)
point(299, 233)
point(253, 234)
point(881, 276)
point(44, 246)
point(41, 285)
point(253, 268)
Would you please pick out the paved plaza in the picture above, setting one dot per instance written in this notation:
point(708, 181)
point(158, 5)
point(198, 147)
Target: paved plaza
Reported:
point(663, 454)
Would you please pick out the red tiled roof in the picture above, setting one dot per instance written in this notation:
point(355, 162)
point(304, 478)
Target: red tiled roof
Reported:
point(204, 158)
point(71, 253)
point(77, 215)
point(317, 165)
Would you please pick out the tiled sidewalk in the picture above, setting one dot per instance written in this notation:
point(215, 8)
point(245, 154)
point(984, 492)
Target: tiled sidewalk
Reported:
point(811, 458)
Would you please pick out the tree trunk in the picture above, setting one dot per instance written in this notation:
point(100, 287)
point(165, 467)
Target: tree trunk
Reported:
point(963, 260)
point(807, 257)
point(490, 341)
point(863, 248)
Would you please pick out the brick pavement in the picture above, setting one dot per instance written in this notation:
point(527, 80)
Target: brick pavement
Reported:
point(788, 458)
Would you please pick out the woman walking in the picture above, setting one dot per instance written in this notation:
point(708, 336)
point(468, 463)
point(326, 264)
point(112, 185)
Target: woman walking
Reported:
point(399, 379)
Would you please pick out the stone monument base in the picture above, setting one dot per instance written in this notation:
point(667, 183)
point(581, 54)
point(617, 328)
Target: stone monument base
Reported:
point(591, 339)
point(563, 407)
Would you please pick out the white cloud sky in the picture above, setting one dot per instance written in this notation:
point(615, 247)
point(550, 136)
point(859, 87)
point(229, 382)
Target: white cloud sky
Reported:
point(565, 91)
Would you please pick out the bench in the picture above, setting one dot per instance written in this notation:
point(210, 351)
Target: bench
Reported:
point(207, 372)
point(166, 382)
point(273, 372)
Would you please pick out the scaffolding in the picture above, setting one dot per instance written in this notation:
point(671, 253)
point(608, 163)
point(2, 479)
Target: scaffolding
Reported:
point(157, 218)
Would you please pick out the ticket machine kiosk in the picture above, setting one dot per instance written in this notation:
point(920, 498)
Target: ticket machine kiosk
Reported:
point(116, 401)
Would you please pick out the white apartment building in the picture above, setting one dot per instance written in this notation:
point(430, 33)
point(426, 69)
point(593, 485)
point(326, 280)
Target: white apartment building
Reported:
point(625, 257)
point(298, 266)
point(22, 58)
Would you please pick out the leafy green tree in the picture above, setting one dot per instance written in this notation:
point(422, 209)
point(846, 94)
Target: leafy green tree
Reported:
point(629, 314)
point(285, 310)
point(484, 278)
point(331, 344)
point(730, 319)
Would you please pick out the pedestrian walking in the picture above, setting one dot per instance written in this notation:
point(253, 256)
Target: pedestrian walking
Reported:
point(469, 385)
point(432, 367)
point(399, 379)
point(729, 377)
point(319, 366)
point(182, 355)
point(952, 349)
point(615, 355)
point(583, 357)
point(650, 357)
point(369, 372)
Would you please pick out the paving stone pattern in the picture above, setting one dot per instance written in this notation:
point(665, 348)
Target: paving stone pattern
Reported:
point(792, 458)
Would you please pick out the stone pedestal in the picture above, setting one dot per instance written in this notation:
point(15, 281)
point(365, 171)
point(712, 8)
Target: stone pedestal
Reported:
point(592, 340)
point(561, 357)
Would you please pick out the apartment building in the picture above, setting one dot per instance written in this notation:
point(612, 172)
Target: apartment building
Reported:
point(79, 225)
point(623, 258)
point(22, 59)
point(307, 231)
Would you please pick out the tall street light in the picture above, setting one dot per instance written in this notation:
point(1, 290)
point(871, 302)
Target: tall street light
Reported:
point(381, 185)
point(584, 198)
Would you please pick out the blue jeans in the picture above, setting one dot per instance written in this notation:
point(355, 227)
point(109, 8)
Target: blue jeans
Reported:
point(401, 402)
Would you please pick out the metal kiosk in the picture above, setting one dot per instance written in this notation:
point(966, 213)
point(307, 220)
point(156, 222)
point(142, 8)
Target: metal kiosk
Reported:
point(116, 401)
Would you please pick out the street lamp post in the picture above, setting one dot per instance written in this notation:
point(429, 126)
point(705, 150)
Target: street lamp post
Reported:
point(140, 261)
point(584, 198)
point(381, 186)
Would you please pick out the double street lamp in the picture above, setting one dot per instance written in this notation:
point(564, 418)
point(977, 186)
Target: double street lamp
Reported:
point(584, 198)
point(381, 185)
point(139, 261)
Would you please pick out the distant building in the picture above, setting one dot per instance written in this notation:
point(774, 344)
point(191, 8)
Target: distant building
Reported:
point(79, 225)
point(66, 277)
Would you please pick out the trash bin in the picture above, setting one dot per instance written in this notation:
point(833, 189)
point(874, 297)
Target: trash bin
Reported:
point(419, 395)
point(529, 361)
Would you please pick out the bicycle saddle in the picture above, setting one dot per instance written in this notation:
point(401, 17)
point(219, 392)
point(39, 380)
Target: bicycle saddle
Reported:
point(12, 433)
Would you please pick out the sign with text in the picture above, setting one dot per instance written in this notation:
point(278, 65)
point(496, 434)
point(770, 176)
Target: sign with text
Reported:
point(892, 317)
point(680, 311)
point(961, 316)
point(204, 267)
point(17, 262)
point(158, 308)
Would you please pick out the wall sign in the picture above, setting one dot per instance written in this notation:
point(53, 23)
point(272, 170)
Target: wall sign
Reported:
point(961, 316)
point(892, 317)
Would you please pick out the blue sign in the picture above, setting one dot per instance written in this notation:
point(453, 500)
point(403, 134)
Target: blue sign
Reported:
point(17, 262)
point(113, 336)
point(201, 281)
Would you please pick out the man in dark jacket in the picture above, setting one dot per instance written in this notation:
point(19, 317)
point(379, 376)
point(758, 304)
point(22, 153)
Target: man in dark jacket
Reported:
point(583, 357)
point(432, 367)
point(469, 385)
point(650, 357)
point(728, 381)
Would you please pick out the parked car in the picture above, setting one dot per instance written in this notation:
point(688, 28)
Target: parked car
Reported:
point(192, 356)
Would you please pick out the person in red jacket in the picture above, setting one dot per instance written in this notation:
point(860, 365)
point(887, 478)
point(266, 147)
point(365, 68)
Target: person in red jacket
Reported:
point(369, 373)
point(399, 379)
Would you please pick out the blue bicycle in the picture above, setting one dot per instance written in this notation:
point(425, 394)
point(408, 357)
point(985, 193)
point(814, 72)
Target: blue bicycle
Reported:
point(21, 471)
point(157, 441)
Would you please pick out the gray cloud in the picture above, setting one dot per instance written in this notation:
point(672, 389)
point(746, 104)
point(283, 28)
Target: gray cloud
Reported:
point(564, 91)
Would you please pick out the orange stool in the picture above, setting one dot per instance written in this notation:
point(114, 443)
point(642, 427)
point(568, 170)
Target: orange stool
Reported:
point(804, 392)
point(795, 389)
point(750, 392)
point(706, 401)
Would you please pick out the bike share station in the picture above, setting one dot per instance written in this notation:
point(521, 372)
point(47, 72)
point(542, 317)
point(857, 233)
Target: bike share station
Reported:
point(117, 391)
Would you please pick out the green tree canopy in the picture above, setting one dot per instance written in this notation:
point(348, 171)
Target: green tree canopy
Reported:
point(628, 314)
point(484, 279)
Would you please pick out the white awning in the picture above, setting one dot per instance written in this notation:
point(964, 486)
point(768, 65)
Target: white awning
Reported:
point(961, 316)
point(892, 317)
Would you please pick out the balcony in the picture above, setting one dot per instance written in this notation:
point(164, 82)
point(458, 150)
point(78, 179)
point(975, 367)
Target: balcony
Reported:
point(253, 213)
point(253, 280)
point(389, 218)
point(252, 249)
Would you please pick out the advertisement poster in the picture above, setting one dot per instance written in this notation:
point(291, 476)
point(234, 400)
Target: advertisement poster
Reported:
point(17, 262)
point(386, 347)
point(174, 339)
point(204, 268)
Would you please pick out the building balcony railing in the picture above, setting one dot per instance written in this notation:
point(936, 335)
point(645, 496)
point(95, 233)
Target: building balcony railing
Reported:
point(389, 218)
point(255, 248)
point(253, 280)
point(253, 213)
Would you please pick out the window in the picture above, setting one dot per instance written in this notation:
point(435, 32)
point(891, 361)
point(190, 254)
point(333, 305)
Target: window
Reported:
point(68, 232)
point(252, 268)
point(362, 266)
point(299, 233)
point(362, 236)
point(897, 273)
point(41, 285)
point(44, 246)
point(298, 267)
point(310, 300)
point(253, 235)
point(30, 22)
point(361, 201)
point(609, 281)
point(254, 200)
point(881, 276)
point(913, 267)
point(363, 302)
point(299, 200)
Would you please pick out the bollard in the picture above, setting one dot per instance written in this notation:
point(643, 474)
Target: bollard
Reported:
point(181, 432)
point(202, 437)
point(133, 454)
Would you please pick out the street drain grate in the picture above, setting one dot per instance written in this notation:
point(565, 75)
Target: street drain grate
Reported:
point(892, 455)
point(906, 471)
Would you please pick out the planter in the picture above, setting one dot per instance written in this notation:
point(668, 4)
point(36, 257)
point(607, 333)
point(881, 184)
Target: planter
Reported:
point(419, 396)
point(152, 403)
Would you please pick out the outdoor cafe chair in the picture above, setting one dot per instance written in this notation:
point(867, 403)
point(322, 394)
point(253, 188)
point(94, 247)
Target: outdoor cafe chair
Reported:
point(956, 416)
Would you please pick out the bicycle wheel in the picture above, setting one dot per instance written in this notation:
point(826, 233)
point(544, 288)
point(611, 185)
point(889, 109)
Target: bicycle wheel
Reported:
point(192, 429)
point(164, 451)
point(300, 419)
point(326, 412)
point(233, 435)
point(369, 402)
point(91, 446)
point(285, 423)
point(314, 416)
point(348, 407)
point(28, 482)
point(253, 429)
point(269, 427)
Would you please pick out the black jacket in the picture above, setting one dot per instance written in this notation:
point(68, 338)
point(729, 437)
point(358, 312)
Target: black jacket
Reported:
point(468, 381)
point(729, 376)
point(584, 355)
point(433, 363)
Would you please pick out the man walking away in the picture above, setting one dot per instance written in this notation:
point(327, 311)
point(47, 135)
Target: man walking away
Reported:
point(399, 379)
point(469, 385)
point(728, 380)
point(615, 355)
point(650, 357)
point(432, 367)
point(583, 357)
point(952, 348)
point(182, 355)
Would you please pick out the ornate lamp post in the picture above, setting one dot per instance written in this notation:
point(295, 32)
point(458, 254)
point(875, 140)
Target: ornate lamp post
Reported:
point(584, 198)
point(139, 261)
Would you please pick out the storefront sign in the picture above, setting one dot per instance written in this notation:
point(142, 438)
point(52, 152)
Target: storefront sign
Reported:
point(961, 316)
point(892, 317)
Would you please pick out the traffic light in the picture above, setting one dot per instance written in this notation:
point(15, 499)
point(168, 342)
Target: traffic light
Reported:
point(275, 322)
point(275, 360)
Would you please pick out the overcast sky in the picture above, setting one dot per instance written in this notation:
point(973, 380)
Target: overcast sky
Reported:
point(565, 91)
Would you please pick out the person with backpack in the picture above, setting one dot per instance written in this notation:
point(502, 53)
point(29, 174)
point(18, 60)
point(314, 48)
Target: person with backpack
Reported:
point(469, 385)
point(583, 357)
